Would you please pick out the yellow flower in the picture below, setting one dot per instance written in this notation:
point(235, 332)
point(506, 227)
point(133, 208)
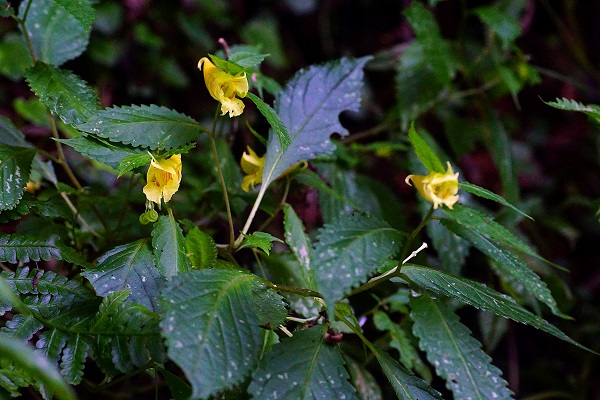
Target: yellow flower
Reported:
point(253, 167)
point(163, 178)
point(436, 187)
point(32, 187)
point(223, 87)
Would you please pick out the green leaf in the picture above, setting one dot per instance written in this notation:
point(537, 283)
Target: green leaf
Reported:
point(230, 67)
point(201, 249)
point(22, 327)
point(15, 166)
point(479, 296)
point(302, 367)
point(73, 359)
point(64, 93)
point(36, 365)
point(500, 146)
point(311, 118)
point(500, 22)
point(591, 110)
point(486, 194)
point(259, 240)
point(456, 355)
point(246, 56)
point(436, 50)
point(14, 55)
point(272, 119)
point(23, 248)
point(510, 266)
point(58, 29)
point(127, 267)
point(349, 251)
point(5, 10)
point(101, 151)
point(425, 153)
point(51, 344)
point(143, 126)
point(133, 161)
point(212, 327)
point(10, 135)
point(365, 383)
point(406, 385)
point(299, 242)
point(169, 247)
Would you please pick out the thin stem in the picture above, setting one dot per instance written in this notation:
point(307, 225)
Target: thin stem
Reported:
point(415, 232)
point(279, 206)
point(261, 193)
point(213, 144)
point(61, 155)
point(21, 22)
point(290, 289)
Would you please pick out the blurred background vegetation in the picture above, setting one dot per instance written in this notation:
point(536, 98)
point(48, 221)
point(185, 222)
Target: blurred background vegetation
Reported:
point(476, 81)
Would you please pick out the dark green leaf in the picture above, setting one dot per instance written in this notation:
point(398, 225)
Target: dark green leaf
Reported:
point(127, 267)
point(246, 56)
point(500, 22)
point(201, 249)
point(298, 241)
point(486, 194)
point(302, 367)
point(500, 147)
point(510, 266)
point(427, 156)
point(22, 248)
point(312, 118)
point(64, 93)
point(259, 240)
point(272, 119)
point(349, 251)
point(22, 326)
point(180, 390)
point(51, 344)
point(456, 355)
point(226, 65)
point(590, 110)
point(169, 247)
point(5, 9)
point(406, 385)
point(133, 161)
point(98, 150)
point(73, 359)
point(479, 296)
point(58, 29)
point(362, 380)
point(143, 126)
point(10, 135)
point(14, 56)
point(212, 328)
point(15, 166)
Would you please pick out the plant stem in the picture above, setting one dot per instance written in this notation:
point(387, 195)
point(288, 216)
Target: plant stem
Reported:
point(261, 193)
point(279, 206)
point(213, 143)
point(290, 289)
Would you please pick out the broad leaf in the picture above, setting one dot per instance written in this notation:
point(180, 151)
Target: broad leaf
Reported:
point(590, 110)
point(10, 135)
point(23, 248)
point(298, 240)
point(362, 380)
point(273, 119)
point(133, 161)
point(406, 385)
point(479, 296)
point(201, 249)
point(510, 266)
point(456, 355)
point(500, 22)
point(486, 194)
point(259, 240)
point(425, 153)
point(302, 367)
point(62, 92)
point(106, 153)
point(58, 29)
point(349, 251)
point(127, 267)
point(311, 119)
point(212, 326)
point(144, 126)
point(15, 166)
point(169, 247)
point(246, 56)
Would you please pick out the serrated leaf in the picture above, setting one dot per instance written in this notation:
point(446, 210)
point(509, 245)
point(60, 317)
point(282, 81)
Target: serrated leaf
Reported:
point(406, 385)
point(212, 328)
point(486, 194)
point(169, 247)
point(23, 248)
point(109, 154)
point(298, 241)
point(302, 367)
point(272, 119)
point(127, 267)
point(425, 153)
point(51, 344)
point(456, 355)
point(58, 29)
point(22, 327)
point(15, 166)
point(62, 92)
point(73, 359)
point(259, 240)
point(510, 266)
point(246, 56)
point(133, 161)
point(350, 250)
point(479, 296)
point(201, 249)
point(309, 108)
point(143, 126)
point(10, 135)
point(500, 22)
point(591, 110)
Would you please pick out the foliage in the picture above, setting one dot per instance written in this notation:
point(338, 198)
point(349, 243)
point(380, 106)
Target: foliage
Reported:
point(314, 284)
